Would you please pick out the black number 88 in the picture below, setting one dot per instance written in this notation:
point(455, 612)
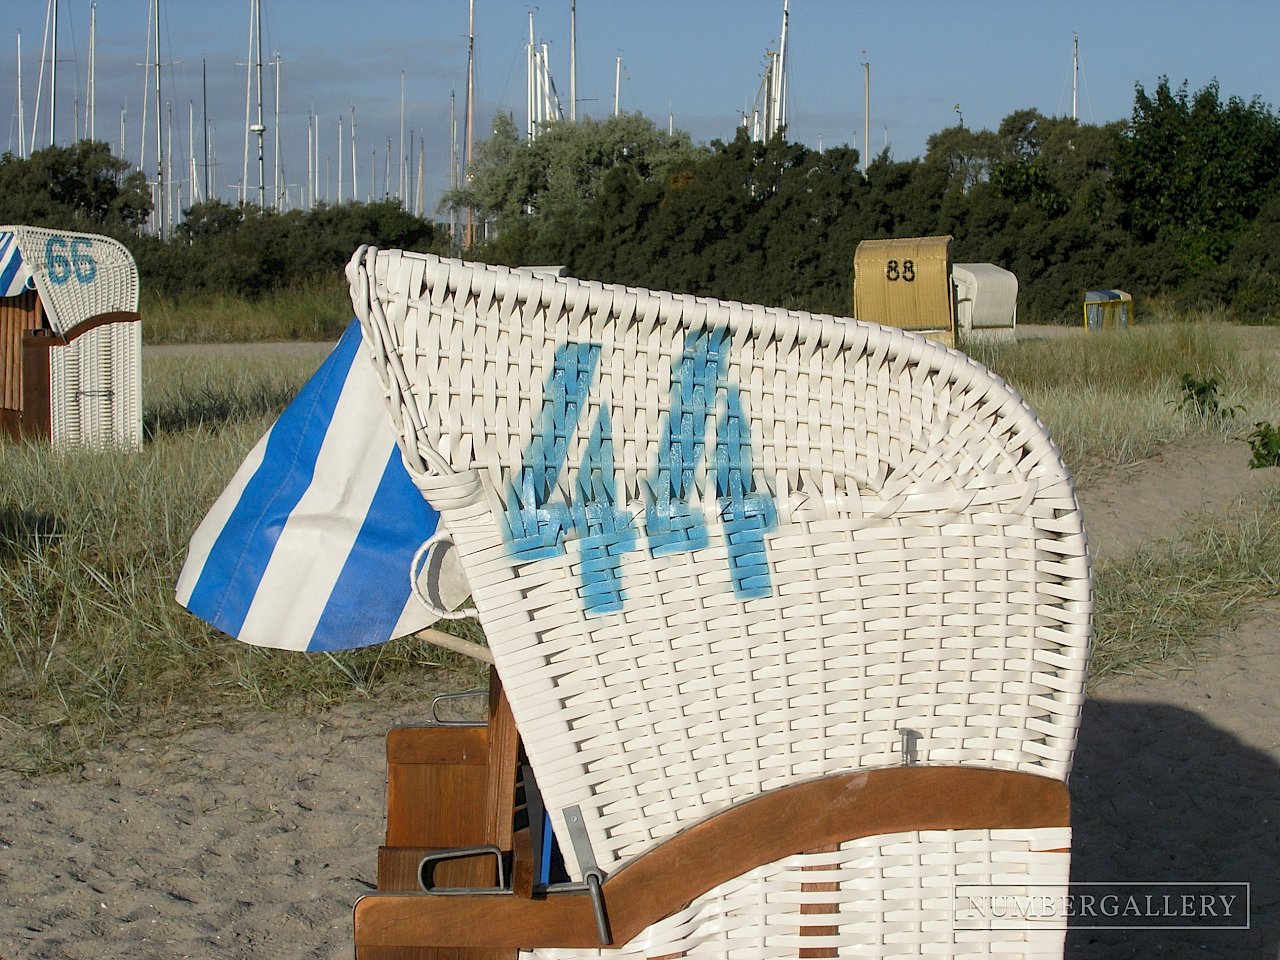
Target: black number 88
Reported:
point(907, 271)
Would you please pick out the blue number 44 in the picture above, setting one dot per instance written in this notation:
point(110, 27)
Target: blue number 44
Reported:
point(538, 528)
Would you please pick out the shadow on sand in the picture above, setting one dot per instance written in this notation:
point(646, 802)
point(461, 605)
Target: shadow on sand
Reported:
point(1158, 794)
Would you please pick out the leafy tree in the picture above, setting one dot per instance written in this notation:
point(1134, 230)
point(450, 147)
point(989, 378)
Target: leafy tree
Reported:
point(1195, 170)
point(244, 249)
point(79, 187)
point(966, 156)
point(565, 165)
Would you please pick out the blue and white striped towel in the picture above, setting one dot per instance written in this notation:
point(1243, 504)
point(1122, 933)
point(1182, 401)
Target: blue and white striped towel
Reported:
point(309, 546)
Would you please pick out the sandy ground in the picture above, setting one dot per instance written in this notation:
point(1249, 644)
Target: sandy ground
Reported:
point(1177, 775)
point(254, 839)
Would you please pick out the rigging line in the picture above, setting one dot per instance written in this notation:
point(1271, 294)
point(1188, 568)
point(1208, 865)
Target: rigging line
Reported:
point(1084, 85)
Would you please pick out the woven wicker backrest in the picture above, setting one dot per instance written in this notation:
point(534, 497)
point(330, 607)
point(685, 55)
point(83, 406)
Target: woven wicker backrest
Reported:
point(717, 548)
point(78, 275)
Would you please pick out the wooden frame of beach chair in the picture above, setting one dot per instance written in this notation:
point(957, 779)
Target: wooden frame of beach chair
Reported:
point(791, 613)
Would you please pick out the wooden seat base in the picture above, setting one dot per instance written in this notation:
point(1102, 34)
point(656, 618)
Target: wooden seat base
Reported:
point(794, 819)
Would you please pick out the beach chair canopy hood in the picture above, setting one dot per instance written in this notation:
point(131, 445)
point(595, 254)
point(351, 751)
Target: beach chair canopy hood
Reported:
point(77, 275)
point(986, 296)
point(717, 547)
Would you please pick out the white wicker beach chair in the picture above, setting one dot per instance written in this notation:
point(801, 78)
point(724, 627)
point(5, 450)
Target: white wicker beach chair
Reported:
point(792, 614)
point(70, 338)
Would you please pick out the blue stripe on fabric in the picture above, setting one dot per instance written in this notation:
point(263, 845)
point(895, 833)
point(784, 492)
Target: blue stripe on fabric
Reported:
point(373, 588)
point(229, 579)
point(12, 266)
point(544, 863)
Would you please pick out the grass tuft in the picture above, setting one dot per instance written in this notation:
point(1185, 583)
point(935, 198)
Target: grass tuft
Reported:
point(1167, 602)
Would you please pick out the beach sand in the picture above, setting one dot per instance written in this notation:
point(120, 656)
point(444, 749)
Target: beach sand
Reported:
point(254, 837)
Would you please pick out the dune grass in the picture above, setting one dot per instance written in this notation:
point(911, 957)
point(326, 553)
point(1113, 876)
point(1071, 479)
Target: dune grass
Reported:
point(316, 310)
point(91, 543)
point(1166, 602)
point(1115, 398)
point(93, 644)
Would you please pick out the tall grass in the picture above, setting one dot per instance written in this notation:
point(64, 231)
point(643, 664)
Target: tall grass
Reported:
point(314, 310)
point(91, 544)
point(1167, 601)
point(1114, 398)
point(92, 642)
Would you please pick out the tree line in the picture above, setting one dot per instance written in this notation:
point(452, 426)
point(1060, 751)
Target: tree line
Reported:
point(1181, 202)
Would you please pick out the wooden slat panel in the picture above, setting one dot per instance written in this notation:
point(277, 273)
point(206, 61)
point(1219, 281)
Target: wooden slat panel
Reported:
point(779, 824)
point(17, 316)
point(817, 909)
point(437, 803)
point(504, 745)
point(466, 745)
point(37, 397)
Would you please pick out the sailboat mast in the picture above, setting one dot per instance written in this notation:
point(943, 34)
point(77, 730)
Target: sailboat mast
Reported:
point(1075, 76)
point(453, 166)
point(420, 206)
point(400, 171)
point(471, 76)
point(194, 190)
point(53, 77)
point(90, 118)
point(168, 162)
point(311, 173)
point(248, 92)
point(531, 127)
point(780, 112)
point(866, 111)
point(573, 61)
point(159, 140)
point(22, 120)
point(204, 111)
point(261, 128)
point(277, 167)
point(44, 49)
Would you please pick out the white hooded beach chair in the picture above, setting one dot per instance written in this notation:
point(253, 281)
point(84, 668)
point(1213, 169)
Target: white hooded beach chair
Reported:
point(790, 615)
point(70, 339)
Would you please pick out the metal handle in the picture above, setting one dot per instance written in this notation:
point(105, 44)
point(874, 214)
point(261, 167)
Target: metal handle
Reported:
point(437, 539)
point(427, 866)
point(441, 698)
point(594, 880)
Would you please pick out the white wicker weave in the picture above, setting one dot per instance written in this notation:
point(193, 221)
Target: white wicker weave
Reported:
point(96, 379)
point(719, 548)
point(78, 275)
point(900, 895)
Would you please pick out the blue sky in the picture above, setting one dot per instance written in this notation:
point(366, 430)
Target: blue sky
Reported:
point(699, 59)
